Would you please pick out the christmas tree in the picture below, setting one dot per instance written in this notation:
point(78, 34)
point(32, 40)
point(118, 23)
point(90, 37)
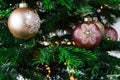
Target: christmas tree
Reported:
point(52, 53)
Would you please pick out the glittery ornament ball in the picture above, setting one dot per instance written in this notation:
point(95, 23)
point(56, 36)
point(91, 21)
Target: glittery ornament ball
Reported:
point(111, 33)
point(87, 35)
point(24, 22)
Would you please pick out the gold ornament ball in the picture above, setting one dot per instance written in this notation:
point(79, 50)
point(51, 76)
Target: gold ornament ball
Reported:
point(100, 25)
point(24, 22)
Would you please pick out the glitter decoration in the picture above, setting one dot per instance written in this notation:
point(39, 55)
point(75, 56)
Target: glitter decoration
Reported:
point(32, 20)
point(24, 22)
point(87, 35)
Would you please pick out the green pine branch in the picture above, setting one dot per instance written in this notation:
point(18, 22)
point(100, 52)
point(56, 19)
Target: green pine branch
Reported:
point(8, 63)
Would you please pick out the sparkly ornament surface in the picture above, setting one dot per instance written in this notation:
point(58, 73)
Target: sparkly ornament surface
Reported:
point(87, 35)
point(24, 22)
point(101, 26)
point(111, 33)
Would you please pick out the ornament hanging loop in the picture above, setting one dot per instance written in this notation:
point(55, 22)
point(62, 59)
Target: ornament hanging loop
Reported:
point(23, 4)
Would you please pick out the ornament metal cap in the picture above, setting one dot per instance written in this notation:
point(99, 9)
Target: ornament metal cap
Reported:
point(87, 19)
point(23, 4)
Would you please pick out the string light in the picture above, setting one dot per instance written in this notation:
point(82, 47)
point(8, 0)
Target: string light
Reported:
point(106, 5)
point(65, 63)
point(73, 43)
point(101, 7)
point(63, 42)
point(57, 43)
point(10, 4)
point(47, 43)
point(68, 43)
point(48, 71)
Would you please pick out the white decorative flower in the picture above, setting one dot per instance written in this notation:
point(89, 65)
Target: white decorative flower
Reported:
point(33, 21)
point(88, 33)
